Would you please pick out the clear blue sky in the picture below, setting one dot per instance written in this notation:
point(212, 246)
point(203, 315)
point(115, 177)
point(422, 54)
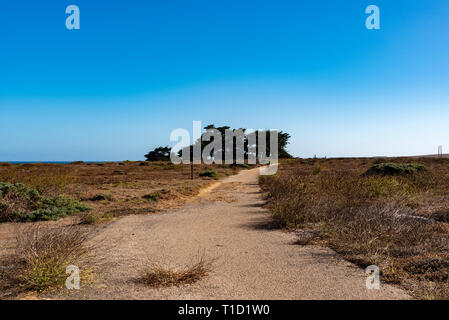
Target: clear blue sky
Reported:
point(136, 70)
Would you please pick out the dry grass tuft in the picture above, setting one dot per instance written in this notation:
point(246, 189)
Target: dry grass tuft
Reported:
point(96, 217)
point(42, 254)
point(157, 276)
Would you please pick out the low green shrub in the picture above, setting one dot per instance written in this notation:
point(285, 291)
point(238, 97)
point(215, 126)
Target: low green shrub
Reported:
point(211, 174)
point(395, 169)
point(19, 203)
point(152, 196)
point(101, 197)
point(441, 216)
point(96, 217)
point(317, 170)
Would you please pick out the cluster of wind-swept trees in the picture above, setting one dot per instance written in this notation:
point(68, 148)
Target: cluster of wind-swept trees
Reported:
point(159, 154)
point(221, 142)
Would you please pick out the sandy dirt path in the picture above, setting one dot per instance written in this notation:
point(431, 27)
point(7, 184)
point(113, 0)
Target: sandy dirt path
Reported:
point(252, 262)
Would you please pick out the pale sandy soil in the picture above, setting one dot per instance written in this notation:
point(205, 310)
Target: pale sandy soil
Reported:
point(226, 223)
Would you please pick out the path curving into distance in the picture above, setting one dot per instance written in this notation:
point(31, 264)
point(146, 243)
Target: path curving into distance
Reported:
point(226, 223)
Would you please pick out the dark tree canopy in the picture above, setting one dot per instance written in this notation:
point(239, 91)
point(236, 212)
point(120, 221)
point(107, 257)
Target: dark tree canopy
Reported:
point(159, 154)
point(283, 138)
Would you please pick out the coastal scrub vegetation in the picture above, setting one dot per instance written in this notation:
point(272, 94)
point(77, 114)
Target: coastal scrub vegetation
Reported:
point(391, 214)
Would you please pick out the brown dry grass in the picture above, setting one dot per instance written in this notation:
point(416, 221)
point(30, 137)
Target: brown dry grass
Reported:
point(47, 179)
point(158, 276)
point(379, 220)
point(115, 189)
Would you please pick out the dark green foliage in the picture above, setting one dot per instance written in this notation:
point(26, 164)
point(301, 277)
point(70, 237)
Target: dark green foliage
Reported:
point(152, 196)
point(100, 197)
point(317, 170)
point(159, 154)
point(211, 174)
point(441, 216)
point(77, 162)
point(434, 269)
point(242, 145)
point(283, 138)
point(395, 169)
point(19, 203)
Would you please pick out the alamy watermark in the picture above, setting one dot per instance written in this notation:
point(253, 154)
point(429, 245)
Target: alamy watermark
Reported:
point(73, 280)
point(373, 20)
point(73, 20)
point(373, 279)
